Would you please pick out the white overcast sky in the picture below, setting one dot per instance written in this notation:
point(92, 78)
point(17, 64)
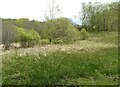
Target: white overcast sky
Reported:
point(35, 9)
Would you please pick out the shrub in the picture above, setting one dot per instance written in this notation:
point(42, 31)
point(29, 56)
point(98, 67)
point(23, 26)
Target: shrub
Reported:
point(45, 41)
point(27, 38)
point(59, 28)
point(84, 34)
point(35, 38)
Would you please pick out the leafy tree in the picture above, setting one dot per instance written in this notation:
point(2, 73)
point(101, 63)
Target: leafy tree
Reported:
point(24, 23)
point(27, 38)
point(99, 17)
point(36, 25)
point(61, 29)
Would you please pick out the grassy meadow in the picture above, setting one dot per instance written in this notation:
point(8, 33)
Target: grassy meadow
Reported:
point(86, 62)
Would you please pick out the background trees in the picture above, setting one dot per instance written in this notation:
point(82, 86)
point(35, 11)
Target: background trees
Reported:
point(53, 10)
point(8, 33)
point(100, 17)
point(95, 17)
point(20, 30)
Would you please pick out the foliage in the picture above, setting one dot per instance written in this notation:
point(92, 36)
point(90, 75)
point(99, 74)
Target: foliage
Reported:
point(84, 34)
point(23, 22)
point(35, 35)
point(27, 38)
point(45, 41)
point(28, 25)
point(53, 11)
point(94, 16)
point(9, 30)
point(59, 28)
point(100, 17)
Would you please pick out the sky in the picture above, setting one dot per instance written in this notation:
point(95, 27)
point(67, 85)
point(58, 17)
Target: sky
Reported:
point(35, 9)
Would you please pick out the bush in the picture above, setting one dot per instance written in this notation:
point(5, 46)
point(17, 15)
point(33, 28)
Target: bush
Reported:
point(35, 38)
point(84, 34)
point(45, 41)
point(27, 38)
point(59, 28)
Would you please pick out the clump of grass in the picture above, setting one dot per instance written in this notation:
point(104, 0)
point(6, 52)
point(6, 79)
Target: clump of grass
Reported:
point(60, 68)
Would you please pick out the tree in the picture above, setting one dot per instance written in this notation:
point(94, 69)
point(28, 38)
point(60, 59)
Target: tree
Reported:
point(53, 11)
point(36, 25)
point(60, 28)
point(100, 16)
point(24, 23)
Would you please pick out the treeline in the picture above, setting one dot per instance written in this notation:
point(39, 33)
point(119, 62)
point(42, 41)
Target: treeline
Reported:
point(100, 17)
point(95, 17)
point(29, 33)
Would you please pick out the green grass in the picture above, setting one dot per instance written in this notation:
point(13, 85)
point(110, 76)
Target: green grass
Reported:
point(104, 37)
point(59, 66)
point(81, 67)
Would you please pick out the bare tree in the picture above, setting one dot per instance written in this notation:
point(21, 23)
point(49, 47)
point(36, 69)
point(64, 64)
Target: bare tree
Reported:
point(53, 11)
